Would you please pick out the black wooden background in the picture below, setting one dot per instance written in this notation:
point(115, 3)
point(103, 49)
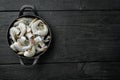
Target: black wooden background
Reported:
point(86, 40)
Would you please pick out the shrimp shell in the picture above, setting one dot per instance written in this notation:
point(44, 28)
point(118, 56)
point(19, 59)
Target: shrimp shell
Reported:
point(14, 33)
point(30, 52)
point(22, 28)
point(38, 29)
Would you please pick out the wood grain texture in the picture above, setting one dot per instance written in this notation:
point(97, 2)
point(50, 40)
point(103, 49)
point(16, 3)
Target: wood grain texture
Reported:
point(62, 4)
point(55, 18)
point(75, 44)
point(77, 37)
point(86, 40)
point(62, 71)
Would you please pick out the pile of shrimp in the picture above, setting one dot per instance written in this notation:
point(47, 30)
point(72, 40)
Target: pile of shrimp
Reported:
point(29, 36)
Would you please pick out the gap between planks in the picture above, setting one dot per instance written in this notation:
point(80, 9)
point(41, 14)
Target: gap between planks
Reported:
point(64, 62)
point(62, 10)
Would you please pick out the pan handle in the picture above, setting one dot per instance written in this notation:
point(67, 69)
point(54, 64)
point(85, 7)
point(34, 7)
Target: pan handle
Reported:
point(31, 7)
point(28, 62)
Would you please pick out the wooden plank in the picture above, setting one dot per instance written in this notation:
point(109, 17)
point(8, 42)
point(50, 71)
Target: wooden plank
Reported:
point(41, 4)
point(62, 4)
point(55, 18)
point(100, 5)
point(63, 71)
point(75, 44)
point(101, 71)
point(79, 36)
